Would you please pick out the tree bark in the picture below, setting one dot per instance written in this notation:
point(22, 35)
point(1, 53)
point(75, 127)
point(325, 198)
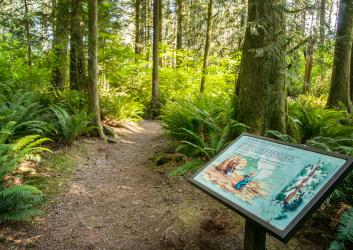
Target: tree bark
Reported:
point(77, 58)
point(155, 80)
point(28, 34)
point(322, 14)
point(60, 43)
point(207, 46)
point(262, 83)
point(93, 65)
point(160, 29)
point(179, 35)
point(340, 89)
point(137, 27)
point(351, 75)
point(308, 64)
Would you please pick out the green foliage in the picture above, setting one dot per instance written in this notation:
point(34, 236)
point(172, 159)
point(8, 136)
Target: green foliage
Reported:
point(22, 108)
point(121, 107)
point(308, 120)
point(17, 201)
point(186, 168)
point(203, 124)
point(344, 231)
point(69, 127)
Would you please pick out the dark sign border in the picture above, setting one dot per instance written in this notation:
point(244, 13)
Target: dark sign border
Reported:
point(286, 234)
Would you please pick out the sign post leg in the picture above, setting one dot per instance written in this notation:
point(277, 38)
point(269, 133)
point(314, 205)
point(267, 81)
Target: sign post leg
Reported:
point(255, 237)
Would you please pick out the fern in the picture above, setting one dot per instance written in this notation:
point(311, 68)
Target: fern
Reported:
point(17, 203)
point(344, 231)
point(69, 127)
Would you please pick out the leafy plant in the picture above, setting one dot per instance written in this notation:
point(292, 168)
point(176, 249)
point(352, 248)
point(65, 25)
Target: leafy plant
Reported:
point(344, 232)
point(121, 107)
point(203, 125)
point(186, 168)
point(69, 127)
point(17, 202)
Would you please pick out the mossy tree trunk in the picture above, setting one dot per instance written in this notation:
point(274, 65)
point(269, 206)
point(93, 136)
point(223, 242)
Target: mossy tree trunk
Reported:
point(207, 46)
point(77, 58)
point(28, 34)
point(340, 89)
point(93, 65)
point(60, 43)
point(351, 77)
point(155, 79)
point(262, 83)
point(309, 64)
point(137, 27)
point(179, 40)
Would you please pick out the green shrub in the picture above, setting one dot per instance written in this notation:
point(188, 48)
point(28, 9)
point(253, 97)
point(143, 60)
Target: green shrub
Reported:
point(23, 109)
point(69, 127)
point(120, 107)
point(307, 121)
point(202, 124)
point(344, 238)
point(17, 202)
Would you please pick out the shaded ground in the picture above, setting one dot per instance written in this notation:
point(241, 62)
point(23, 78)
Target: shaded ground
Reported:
point(118, 199)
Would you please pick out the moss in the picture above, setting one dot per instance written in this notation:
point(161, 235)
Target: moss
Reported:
point(52, 172)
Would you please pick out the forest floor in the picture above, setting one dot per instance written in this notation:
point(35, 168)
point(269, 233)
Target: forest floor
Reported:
point(117, 198)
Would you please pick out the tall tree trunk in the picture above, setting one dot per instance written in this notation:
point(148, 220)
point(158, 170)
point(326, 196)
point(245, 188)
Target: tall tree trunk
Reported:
point(93, 65)
point(160, 29)
point(155, 80)
point(308, 64)
point(28, 34)
point(179, 40)
point(77, 58)
point(262, 83)
point(340, 91)
point(137, 27)
point(60, 43)
point(322, 14)
point(351, 77)
point(207, 46)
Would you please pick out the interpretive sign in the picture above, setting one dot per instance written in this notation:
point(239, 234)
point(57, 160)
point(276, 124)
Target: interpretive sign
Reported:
point(275, 184)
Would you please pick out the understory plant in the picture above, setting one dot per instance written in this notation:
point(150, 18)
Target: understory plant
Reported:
point(68, 127)
point(18, 202)
point(121, 107)
point(344, 237)
point(203, 124)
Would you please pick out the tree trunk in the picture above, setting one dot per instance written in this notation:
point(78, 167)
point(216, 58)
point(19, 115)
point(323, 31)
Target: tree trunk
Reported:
point(60, 42)
point(179, 40)
point(93, 65)
point(77, 58)
point(351, 77)
point(207, 46)
point(308, 64)
point(155, 80)
point(340, 90)
point(137, 27)
point(28, 34)
point(262, 83)
point(160, 29)
point(322, 21)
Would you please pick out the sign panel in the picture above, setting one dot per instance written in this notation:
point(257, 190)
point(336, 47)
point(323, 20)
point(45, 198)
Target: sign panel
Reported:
point(275, 184)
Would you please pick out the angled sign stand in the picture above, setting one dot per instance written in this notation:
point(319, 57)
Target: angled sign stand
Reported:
point(275, 185)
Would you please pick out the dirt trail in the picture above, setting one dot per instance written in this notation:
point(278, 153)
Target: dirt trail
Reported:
point(118, 199)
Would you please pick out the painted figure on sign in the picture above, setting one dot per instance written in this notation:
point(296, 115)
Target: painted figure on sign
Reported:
point(246, 180)
point(228, 166)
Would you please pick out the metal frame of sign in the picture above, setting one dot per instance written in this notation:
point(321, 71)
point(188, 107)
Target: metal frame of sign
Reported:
point(286, 234)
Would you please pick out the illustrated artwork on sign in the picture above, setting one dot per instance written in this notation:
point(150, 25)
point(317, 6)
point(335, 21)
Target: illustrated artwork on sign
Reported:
point(271, 180)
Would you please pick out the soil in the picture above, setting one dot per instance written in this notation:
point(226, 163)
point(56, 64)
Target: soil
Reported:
point(118, 198)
